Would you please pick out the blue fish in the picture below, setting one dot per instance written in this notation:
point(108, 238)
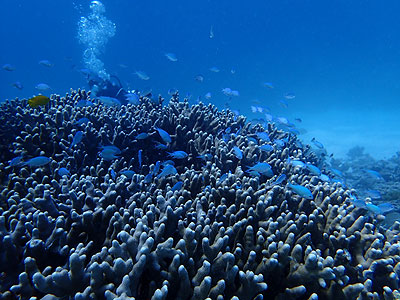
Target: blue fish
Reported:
point(132, 98)
point(77, 139)
point(38, 161)
point(313, 169)
point(374, 194)
point(280, 179)
point(82, 121)
point(108, 154)
point(168, 170)
point(156, 168)
point(16, 161)
point(178, 154)
point(300, 190)
point(280, 143)
point(263, 136)
point(148, 178)
point(266, 148)
point(128, 173)
point(84, 103)
point(140, 158)
point(164, 135)
point(317, 144)
point(142, 136)
point(111, 149)
point(262, 168)
point(113, 175)
point(295, 163)
point(374, 174)
point(238, 153)
point(160, 146)
point(109, 101)
point(63, 171)
point(177, 186)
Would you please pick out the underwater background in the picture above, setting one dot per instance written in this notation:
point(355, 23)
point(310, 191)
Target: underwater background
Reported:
point(340, 59)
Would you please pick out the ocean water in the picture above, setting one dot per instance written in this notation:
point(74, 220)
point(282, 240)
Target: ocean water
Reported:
point(340, 59)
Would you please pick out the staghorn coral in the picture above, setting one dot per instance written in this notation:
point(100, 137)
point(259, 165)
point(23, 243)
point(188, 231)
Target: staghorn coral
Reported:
point(232, 236)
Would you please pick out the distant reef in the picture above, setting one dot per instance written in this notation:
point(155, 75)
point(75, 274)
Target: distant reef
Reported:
point(106, 214)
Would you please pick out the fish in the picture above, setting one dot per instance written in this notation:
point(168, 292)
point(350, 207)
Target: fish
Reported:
point(38, 161)
point(317, 144)
point(263, 136)
point(164, 135)
point(8, 67)
point(300, 190)
point(290, 96)
point(313, 169)
point(205, 157)
point(160, 146)
point(238, 153)
point(283, 103)
point(178, 154)
point(324, 178)
point(295, 163)
point(108, 155)
point(142, 136)
point(262, 168)
point(374, 174)
point(280, 143)
point(46, 63)
point(42, 87)
point(16, 161)
point(127, 173)
point(113, 174)
point(268, 85)
point(374, 194)
point(77, 139)
point(207, 96)
point(167, 170)
point(132, 98)
point(142, 75)
point(148, 178)
point(140, 157)
point(82, 121)
point(111, 149)
point(214, 69)
point(84, 103)
point(280, 179)
point(156, 168)
point(177, 186)
point(199, 78)
point(172, 92)
point(63, 172)
point(266, 148)
point(109, 101)
point(17, 85)
point(39, 100)
point(171, 56)
point(211, 32)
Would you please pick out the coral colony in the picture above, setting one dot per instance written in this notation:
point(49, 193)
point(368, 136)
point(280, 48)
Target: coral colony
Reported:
point(176, 201)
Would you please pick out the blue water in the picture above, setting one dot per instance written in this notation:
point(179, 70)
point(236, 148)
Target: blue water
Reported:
point(340, 58)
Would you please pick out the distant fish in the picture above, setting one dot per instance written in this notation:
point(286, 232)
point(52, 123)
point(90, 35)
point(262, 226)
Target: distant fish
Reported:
point(238, 153)
point(63, 172)
point(207, 96)
point(18, 85)
point(42, 87)
point(283, 103)
point(317, 144)
point(82, 121)
point(77, 139)
point(8, 67)
point(171, 56)
point(164, 135)
point(128, 173)
point(172, 91)
point(160, 146)
point(142, 136)
point(233, 71)
point(374, 194)
point(177, 186)
point(266, 148)
point(290, 96)
point(313, 169)
point(167, 170)
point(113, 174)
point(214, 69)
point(132, 98)
point(262, 168)
point(199, 78)
point(39, 100)
point(178, 154)
point(38, 161)
point(280, 179)
point(109, 101)
point(211, 32)
point(298, 120)
point(142, 75)
point(300, 190)
point(84, 103)
point(296, 163)
point(46, 63)
point(123, 66)
point(229, 92)
point(108, 155)
point(262, 135)
point(374, 174)
point(140, 157)
point(268, 85)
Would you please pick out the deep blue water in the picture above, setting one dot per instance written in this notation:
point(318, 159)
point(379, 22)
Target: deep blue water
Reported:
point(340, 58)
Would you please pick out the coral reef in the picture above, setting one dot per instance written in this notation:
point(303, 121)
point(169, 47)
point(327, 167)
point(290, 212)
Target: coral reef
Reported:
point(102, 233)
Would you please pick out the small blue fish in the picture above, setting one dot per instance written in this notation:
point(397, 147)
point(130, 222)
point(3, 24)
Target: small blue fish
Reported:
point(140, 158)
point(386, 207)
point(295, 163)
point(290, 96)
point(160, 146)
point(156, 168)
point(205, 157)
point(280, 143)
point(268, 85)
point(108, 155)
point(263, 136)
point(8, 67)
point(128, 173)
point(178, 154)
point(109, 101)
point(238, 153)
point(164, 135)
point(167, 170)
point(42, 87)
point(82, 121)
point(337, 172)
point(300, 190)
point(142, 136)
point(262, 168)
point(177, 186)
point(77, 139)
point(63, 172)
point(317, 144)
point(266, 148)
point(324, 178)
point(171, 56)
point(313, 169)
point(148, 178)
point(16, 161)
point(113, 175)
point(18, 85)
point(132, 98)
point(168, 162)
point(280, 179)
point(46, 63)
point(374, 174)
point(374, 194)
point(199, 78)
point(84, 103)
point(142, 75)
point(38, 161)
point(214, 69)
point(111, 149)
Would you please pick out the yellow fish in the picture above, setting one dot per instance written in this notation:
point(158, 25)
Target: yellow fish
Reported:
point(38, 101)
